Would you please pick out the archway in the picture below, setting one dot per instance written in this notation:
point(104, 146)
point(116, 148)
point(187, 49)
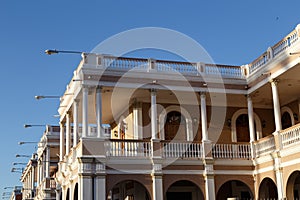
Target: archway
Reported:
point(286, 120)
point(128, 190)
point(293, 186)
point(234, 189)
point(268, 189)
point(186, 190)
point(175, 126)
point(185, 119)
point(76, 192)
point(242, 128)
point(257, 124)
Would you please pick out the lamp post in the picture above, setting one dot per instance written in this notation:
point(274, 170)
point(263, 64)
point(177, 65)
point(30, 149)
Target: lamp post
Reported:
point(18, 163)
point(21, 143)
point(54, 51)
point(32, 125)
point(17, 169)
point(38, 97)
point(24, 156)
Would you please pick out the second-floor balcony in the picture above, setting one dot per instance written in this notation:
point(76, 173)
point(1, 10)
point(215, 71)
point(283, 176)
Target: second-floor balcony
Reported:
point(147, 149)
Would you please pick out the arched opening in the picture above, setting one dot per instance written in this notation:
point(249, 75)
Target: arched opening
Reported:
point(76, 192)
point(175, 126)
point(68, 194)
point(242, 128)
point(128, 190)
point(185, 118)
point(268, 189)
point(240, 117)
point(286, 120)
point(234, 189)
point(293, 186)
point(184, 190)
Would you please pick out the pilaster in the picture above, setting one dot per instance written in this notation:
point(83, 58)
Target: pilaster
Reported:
point(209, 179)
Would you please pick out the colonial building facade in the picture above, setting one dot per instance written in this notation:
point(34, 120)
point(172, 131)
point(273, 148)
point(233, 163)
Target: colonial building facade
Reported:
point(133, 128)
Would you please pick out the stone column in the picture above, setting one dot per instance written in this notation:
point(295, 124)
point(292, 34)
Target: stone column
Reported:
point(279, 176)
point(68, 133)
point(137, 121)
point(75, 122)
point(153, 114)
point(47, 162)
point(62, 142)
point(85, 180)
point(251, 125)
point(85, 93)
point(157, 182)
point(209, 179)
point(276, 105)
point(100, 182)
point(251, 119)
point(99, 112)
point(203, 117)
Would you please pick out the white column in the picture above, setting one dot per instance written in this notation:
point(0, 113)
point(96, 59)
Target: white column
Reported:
point(251, 119)
point(75, 122)
point(68, 133)
point(100, 189)
point(85, 187)
point(137, 121)
point(157, 187)
point(209, 179)
point(85, 94)
point(279, 176)
point(62, 142)
point(32, 177)
point(47, 162)
point(153, 114)
point(276, 105)
point(203, 117)
point(99, 112)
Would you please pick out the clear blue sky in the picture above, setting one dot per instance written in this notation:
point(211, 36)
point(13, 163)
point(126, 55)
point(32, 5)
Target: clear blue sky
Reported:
point(232, 31)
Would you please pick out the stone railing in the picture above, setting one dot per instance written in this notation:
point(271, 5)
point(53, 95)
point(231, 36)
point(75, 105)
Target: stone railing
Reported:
point(274, 51)
point(191, 68)
point(264, 146)
point(231, 151)
point(290, 136)
point(128, 148)
point(148, 65)
point(181, 150)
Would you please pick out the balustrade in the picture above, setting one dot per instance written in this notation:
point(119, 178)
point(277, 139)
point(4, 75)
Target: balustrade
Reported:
point(265, 146)
point(290, 136)
point(128, 148)
point(231, 151)
point(182, 150)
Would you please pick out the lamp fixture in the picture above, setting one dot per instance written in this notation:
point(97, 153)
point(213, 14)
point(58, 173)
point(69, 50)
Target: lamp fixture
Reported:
point(54, 51)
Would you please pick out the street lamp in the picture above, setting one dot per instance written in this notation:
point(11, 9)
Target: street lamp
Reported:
point(14, 169)
point(5, 188)
point(18, 163)
point(21, 143)
point(38, 97)
point(31, 125)
point(54, 51)
point(24, 156)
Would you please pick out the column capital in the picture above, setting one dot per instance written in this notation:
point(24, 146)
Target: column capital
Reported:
point(274, 81)
point(203, 93)
point(99, 88)
point(153, 90)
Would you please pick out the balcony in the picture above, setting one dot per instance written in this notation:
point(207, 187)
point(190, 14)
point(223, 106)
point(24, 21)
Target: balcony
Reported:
point(46, 189)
